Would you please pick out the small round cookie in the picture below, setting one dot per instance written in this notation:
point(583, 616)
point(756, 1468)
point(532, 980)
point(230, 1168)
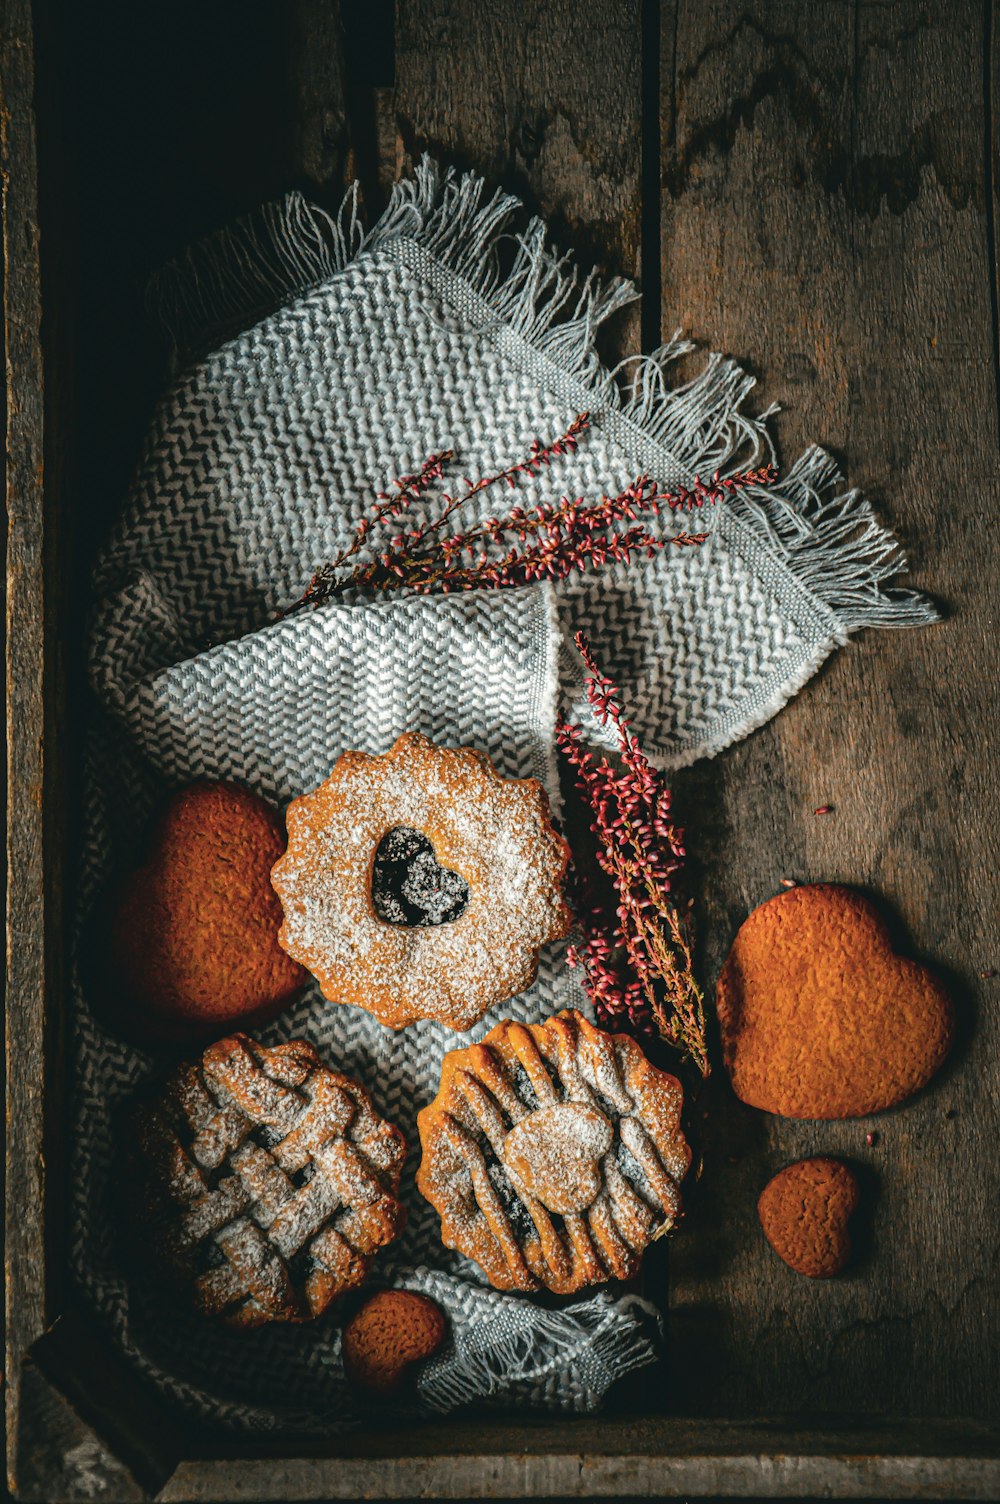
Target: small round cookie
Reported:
point(265, 1182)
point(819, 1017)
point(553, 1153)
point(189, 946)
point(493, 833)
point(393, 1330)
point(804, 1212)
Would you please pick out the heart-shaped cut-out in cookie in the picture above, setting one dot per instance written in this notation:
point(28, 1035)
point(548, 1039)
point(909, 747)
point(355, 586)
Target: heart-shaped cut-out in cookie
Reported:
point(556, 1153)
point(804, 1212)
point(819, 1016)
point(409, 886)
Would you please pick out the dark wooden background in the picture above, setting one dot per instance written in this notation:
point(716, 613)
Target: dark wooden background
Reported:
point(811, 188)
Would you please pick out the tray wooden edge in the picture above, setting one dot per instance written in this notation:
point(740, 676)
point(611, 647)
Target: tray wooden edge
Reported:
point(25, 961)
point(52, 1451)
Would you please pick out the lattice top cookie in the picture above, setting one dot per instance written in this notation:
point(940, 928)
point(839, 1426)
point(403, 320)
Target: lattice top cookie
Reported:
point(553, 1153)
point(493, 833)
point(268, 1181)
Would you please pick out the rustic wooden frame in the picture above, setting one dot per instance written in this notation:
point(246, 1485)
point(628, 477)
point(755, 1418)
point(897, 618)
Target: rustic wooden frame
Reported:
point(77, 1426)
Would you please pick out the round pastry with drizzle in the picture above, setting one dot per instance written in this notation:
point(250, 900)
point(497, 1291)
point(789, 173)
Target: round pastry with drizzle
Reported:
point(479, 871)
point(553, 1153)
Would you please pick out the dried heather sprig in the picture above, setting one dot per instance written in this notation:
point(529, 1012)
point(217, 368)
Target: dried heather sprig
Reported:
point(636, 954)
point(545, 542)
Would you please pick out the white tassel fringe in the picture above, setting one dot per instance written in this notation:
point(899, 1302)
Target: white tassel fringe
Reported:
point(826, 534)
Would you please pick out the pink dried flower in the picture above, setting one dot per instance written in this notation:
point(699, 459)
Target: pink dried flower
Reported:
point(546, 542)
point(636, 951)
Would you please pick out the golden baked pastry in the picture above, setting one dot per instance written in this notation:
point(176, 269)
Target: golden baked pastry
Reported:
point(553, 1153)
point(804, 1212)
point(818, 1015)
point(189, 943)
point(492, 832)
point(267, 1181)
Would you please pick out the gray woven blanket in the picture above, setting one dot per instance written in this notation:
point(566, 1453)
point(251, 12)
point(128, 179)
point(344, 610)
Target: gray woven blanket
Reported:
point(338, 360)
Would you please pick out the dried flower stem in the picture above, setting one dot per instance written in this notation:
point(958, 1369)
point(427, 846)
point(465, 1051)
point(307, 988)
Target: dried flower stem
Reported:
point(636, 953)
point(546, 542)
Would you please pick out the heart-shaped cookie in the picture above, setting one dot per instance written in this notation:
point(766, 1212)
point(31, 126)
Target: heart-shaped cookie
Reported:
point(804, 1212)
point(557, 1151)
point(189, 943)
point(819, 1016)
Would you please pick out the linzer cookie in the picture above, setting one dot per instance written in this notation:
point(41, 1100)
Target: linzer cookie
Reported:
point(804, 1212)
point(553, 1153)
point(482, 892)
point(189, 945)
point(266, 1181)
point(819, 1017)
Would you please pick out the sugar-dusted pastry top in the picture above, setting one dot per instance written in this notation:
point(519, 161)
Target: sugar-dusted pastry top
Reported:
point(553, 1153)
point(266, 1181)
point(494, 833)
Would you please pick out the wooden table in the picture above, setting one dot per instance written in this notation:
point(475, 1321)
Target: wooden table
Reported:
point(810, 188)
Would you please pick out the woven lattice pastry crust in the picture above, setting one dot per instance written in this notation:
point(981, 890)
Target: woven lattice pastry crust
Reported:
point(553, 1153)
point(493, 832)
point(268, 1181)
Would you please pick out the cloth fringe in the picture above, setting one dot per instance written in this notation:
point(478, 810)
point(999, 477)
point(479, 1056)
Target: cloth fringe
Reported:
point(601, 1340)
point(825, 533)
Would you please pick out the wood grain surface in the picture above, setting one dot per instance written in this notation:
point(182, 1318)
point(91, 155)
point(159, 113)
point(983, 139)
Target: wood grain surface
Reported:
point(508, 90)
point(825, 219)
point(809, 187)
point(24, 643)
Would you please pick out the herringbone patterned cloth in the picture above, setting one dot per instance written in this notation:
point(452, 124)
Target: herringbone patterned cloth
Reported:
point(360, 357)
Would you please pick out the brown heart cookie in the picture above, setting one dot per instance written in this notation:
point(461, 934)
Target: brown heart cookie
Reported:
point(393, 1330)
point(819, 1017)
point(804, 1212)
point(190, 940)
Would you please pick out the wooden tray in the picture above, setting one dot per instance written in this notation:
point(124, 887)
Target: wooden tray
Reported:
point(817, 190)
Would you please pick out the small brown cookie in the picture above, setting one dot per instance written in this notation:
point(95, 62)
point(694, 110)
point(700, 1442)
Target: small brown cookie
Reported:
point(553, 1153)
point(819, 1016)
point(190, 941)
point(491, 833)
point(264, 1181)
point(804, 1212)
point(393, 1330)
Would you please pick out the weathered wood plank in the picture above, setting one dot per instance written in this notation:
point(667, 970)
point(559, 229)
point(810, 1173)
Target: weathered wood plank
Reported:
point(824, 219)
point(617, 1459)
point(512, 91)
point(154, 125)
point(25, 686)
point(59, 1457)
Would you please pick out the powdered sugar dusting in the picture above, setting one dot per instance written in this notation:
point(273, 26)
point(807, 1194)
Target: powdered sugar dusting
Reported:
point(553, 1153)
point(268, 1180)
point(492, 832)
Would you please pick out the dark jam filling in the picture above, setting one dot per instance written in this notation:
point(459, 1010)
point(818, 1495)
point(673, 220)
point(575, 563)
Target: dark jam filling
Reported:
point(302, 1177)
point(208, 1256)
point(517, 1213)
point(632, 1170)
point(301, 1265)
point(523, 1086)
point(408, 885)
